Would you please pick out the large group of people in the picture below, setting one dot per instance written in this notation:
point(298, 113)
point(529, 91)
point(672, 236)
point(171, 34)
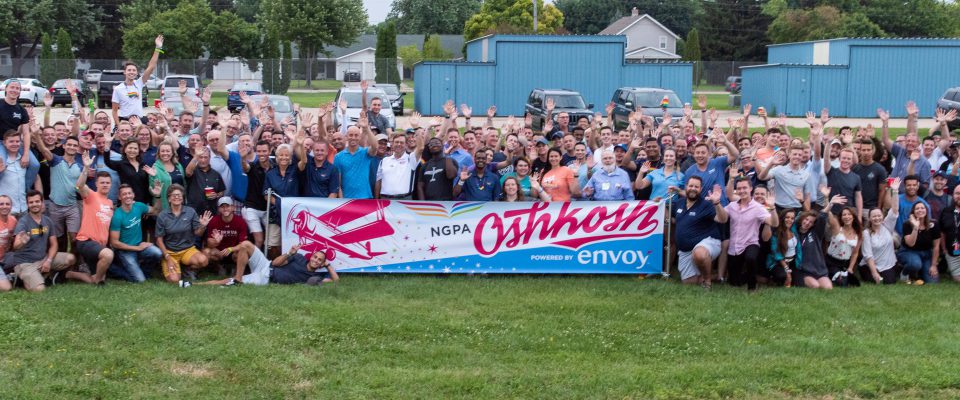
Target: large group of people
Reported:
point(135, 194)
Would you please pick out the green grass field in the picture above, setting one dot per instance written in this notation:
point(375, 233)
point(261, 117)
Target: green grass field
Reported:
point(480, 337)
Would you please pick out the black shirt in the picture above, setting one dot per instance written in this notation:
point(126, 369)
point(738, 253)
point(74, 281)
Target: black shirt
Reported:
point(924, 239)
point(538, 166)
point(949, 223)
point(12, 116)
point(255, 178)
point(137, 178)
point(871, 176)
point(436, 185)
point(196, 194)
point(294, 271)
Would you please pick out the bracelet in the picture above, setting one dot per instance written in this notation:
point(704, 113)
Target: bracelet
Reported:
point(158, 50)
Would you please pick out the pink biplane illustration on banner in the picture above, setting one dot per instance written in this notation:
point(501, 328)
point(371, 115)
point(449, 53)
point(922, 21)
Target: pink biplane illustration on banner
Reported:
point(347, 229)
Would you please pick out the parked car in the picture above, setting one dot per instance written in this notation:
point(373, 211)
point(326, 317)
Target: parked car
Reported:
point(62, 97)
point(233, 96)
point(564, 100)
point(396, 97)
point(282, 106)
point(733, 84)
point(951, 101)
point(92, 76)
point(108, 80)
point(172, 82)
point(351, 76)
point(32, 91)
point(154, 83)
point(629, 99)
point(353, 97)
point(176, 106)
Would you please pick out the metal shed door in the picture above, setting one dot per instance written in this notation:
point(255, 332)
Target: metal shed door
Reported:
point(798, 91)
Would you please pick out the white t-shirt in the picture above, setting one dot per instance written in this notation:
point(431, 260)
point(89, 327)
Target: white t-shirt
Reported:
point(395, 174)
point(129, 98)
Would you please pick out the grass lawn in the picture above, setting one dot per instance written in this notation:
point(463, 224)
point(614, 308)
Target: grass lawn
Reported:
point(717, 101)
point(316, 84)
point(709, 88)
point(480, 337)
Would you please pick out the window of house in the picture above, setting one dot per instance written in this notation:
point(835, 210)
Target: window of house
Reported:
point(663, 42)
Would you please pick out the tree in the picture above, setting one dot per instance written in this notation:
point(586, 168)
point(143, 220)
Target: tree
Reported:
point(589, 17)
point(915, 18)
point(821, 22)
point(26, 21)
point(692, 53)
point(445, 17)
point(735, 30)
point(109, 45)
point(48, 60)
point(409, 56)
point(313, 25)
point(676, 15)
point(271, 63)
point(286, 67)
point(512, 16)
point(193, 30)
point(386, 54)
point(433, 50)
point(66, 62)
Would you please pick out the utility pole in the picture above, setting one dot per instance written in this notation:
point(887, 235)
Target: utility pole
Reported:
point(534, 16)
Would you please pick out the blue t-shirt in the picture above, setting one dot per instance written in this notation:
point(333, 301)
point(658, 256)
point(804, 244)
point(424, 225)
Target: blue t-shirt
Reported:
point(128, 223)
point(294, 271)
point(660, 183)
point(696, 224)
point(238, 183)
point(714, 175)
point(355, 173)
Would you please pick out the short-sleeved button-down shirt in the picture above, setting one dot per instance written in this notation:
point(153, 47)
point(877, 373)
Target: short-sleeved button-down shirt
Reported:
point(745, 224)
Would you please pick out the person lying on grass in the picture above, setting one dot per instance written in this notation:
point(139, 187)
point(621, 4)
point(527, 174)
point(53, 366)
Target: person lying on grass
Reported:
point(289, 268)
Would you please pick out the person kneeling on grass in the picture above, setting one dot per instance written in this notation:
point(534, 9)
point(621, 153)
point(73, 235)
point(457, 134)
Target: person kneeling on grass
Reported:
point(289, 268)
point(227, 238)
point(34, 254)
point(177, 227)
point(91, 243)
point(131, 254)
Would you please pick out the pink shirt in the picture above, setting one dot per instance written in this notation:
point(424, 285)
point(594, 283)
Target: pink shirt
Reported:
point(745, 225)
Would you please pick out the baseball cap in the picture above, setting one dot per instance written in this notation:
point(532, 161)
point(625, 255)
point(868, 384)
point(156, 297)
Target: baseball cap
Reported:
point(621, 147)
point(224, 201)
point(410, 131)
point(836, 141)
point(941, 174)
point(543, 141)
point(382, 137)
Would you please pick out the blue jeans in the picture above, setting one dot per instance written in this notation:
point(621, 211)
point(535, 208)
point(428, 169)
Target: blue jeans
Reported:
point(916, 264)
point(128, 264)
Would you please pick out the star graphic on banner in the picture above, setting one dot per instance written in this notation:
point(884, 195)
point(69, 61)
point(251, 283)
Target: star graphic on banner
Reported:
point(431, 266)
point(408, 268)
point(379, 269)
point(406, 238)
point(446, 270)
point(433, 248)
point(477, 265)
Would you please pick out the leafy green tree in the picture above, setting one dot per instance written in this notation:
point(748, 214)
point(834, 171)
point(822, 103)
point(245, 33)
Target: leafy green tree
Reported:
point(676, 15)
point(409, 56)
point(692, 53)
point(433, 50)
point(48, 60)
point(386, 54)
point(271, 63)
point(286, 67)
point(735, 30)
point(313, 25)
point(193, 30)
point(915, 18)
point(66, 62)
point(588, 17)
point(25, 22)
point(821, 22)
point(512, 16)
point(445, 17)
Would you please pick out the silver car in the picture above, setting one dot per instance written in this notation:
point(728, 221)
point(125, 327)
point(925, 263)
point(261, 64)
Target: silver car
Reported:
point(353, 97)
point(31, 90)
point(282, 106)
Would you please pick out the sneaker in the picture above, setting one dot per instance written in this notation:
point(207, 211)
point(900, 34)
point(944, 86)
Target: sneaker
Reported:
point(191, 275)
point(918, 282)
point(184, 284)
point(231, 282)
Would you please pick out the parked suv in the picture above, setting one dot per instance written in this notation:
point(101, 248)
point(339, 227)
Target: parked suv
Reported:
point(353, 96)
point(951, 101)
point(170, 84)
point(564, 100)
point(108, 79)
point(733, 84)
point(629, 99)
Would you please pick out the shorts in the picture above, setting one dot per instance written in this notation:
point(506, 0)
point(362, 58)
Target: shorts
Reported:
point(260, 270)
point(953, 265)
point(89, 250)
point(179, 257)
point(255, 219)
point(63, 216)
point(273, 235)
point(30, 273)
point(685, 260)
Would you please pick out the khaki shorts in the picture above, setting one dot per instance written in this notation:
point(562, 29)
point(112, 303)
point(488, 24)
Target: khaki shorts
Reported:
point(63, 217)
point(179, 258)
point(273, 235)
point(30, 273)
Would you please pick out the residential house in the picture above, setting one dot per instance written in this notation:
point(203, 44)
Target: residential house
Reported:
point(647, 38)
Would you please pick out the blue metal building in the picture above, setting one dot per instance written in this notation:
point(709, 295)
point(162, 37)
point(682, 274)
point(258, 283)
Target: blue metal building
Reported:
point(501, 70)
point(853, 77)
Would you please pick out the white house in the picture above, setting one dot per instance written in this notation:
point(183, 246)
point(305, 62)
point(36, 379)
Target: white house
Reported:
point(363, 61)
point(647, 38)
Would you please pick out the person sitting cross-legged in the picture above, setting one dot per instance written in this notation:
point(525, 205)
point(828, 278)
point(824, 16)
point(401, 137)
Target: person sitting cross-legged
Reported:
point(289, 268)
point(132, 255)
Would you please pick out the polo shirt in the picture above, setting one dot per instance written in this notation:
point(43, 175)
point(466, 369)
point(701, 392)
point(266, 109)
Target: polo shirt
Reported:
point(476, 188)
point(902, 160)
point(128, 223)
point(354, 169)
point(321, 181)
point(713, 174)
point(294, 271)
point(196, 189)
point(129, 98)
point(696, 223)
point(63, 180)
point(463, 158)
point(177, 230)
point(396, 174)
point(611, 186)
point(287, 185)
point(786, 181)
point(745, 222)
point(13, 181)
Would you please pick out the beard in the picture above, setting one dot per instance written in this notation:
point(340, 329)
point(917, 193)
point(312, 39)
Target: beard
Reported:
point(609, 168)
point(693, 194)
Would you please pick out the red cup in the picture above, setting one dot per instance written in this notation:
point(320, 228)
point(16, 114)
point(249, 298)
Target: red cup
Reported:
point(156, 103)
point(208, 191)
point(889, 182)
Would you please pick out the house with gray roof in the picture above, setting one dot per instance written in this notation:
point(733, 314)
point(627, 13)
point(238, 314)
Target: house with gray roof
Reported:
point(647, 38)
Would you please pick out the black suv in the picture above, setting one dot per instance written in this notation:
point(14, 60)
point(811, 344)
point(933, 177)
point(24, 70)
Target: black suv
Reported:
point(630, 99)
point(951, 101)
point(564, 100)
point(108, 79)
point(733, 84)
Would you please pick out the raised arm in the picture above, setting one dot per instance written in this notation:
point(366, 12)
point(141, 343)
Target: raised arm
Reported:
point(885, 128)
point(152, 65)
point(81, 183)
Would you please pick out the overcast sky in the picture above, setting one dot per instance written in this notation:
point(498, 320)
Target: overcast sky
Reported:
point(377, 10)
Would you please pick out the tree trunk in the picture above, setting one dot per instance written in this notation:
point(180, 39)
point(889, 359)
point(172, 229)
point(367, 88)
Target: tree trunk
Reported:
point(311, 55)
